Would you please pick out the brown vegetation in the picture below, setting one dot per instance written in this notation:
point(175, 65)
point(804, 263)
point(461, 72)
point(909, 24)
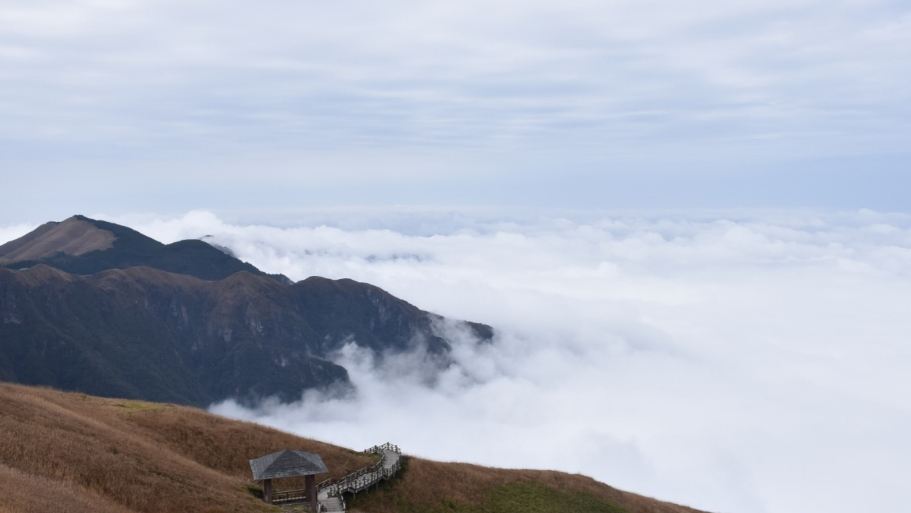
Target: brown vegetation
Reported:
point(109, 455)
point(432, 486)
point(72, 237)
point(83, 454)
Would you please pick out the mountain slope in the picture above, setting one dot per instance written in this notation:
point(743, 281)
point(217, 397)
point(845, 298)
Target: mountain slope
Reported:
point(75, 236)
point(81, 454)
point(81, 245)
point(91, 306)
point(145, 333)
point(121, 456)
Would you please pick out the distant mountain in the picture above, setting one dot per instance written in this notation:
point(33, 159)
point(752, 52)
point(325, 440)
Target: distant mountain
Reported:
point(81, 245)
point(95, 307)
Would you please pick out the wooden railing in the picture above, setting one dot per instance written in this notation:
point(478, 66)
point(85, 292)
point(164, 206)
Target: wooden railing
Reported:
point(364, 478)
point(388, 446)
point(283, 496)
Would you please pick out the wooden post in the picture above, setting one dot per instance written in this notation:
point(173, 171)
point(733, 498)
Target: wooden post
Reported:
point(267, 490)
point(310, 482)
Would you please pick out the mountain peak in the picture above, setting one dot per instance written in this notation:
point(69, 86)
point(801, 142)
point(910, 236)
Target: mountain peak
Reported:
point(81, 245)
point(74, 236)
point(98, 307)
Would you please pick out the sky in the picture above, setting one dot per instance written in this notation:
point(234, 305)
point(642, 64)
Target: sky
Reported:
point(740, 362)
point(688, 222)
point(168, 106)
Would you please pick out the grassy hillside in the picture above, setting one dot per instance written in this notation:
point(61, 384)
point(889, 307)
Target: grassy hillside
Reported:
point(78, 453)
point(107, 455)
point(438, 487)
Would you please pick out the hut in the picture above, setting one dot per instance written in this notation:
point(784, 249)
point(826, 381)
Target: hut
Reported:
point(288, 463)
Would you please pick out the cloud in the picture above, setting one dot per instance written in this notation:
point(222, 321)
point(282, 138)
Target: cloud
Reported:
point(313, 95)
point(434, 75)
point(8, 233)
point(748, 361)
point(740, 361)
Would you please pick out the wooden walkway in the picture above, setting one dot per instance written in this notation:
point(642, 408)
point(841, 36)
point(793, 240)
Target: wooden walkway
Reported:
point(331, 494)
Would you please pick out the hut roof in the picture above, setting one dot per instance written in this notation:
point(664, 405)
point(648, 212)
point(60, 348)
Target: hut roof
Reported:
point(287, 463)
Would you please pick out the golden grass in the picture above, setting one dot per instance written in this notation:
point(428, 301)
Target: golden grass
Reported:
point(25, 493)
point(431, 486)
point(131, 456)
point(79, 454)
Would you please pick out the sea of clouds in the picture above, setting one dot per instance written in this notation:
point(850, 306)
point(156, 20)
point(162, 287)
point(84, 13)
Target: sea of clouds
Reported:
point(740, 362)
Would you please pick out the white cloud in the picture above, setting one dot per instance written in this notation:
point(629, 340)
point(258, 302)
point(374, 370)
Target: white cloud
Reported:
point(577, 103)
point(603, 76)
point(8, 233)
point(749, 362)
point(737, 362)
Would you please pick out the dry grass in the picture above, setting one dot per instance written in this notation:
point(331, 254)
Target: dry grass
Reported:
point(72, 236)
point(24, 493)
point(80, 454)
point(431, 487)
point(123, 456)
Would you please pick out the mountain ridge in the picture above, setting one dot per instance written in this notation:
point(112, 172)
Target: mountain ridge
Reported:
point(144, 332)
point(74, 236)
point(81, 245)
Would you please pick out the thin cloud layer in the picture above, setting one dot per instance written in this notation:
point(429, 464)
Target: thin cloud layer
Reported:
point(444, 74)
point(429, 102)
point(752, 362)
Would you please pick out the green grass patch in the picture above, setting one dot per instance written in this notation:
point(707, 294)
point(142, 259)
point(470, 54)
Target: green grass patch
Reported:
point(254, 490)
point(527, 497)
point(517, 497)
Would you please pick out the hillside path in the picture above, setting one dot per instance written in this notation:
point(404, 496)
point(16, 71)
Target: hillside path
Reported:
point(330, 495)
